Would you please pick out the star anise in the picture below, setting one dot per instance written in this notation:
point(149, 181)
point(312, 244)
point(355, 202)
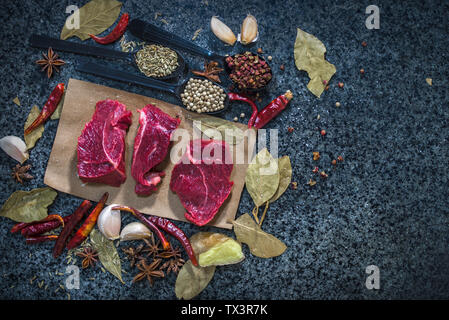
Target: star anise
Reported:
point(152, 248)
point(134, 254)
point(170, 253)
point(20, 173)
point(50, 62)
point(148, 271)
point(90, 257)
point(173, 265)
point(211, 71)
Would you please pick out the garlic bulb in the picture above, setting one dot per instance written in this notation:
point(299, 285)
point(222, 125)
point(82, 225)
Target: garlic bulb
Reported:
point(248, 32)
point(222, 31)
point(109, 222)
point(135, 231)
point(15, 148)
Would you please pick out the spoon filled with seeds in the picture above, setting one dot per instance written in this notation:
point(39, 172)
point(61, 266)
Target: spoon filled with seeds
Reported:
point(196, 94)
point(154, 61)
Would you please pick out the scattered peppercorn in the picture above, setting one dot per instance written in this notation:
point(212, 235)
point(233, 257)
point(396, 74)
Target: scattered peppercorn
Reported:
point(337, 104)
point(334, 162)
point(311, 182)
point(290, 129)
point(318, 117)
point(315, 170)
point(316, 155)
point(270, 58)
point(294, 185)
point(325, 82)
point(323, 175)
point(340, 158)
point(364, 44)
point(341, 84)
point(242, 115)
point(236, 119)
point(326, 87)
point(259, 50)
point(362, 71)
point(282, 67)
point(323, 132)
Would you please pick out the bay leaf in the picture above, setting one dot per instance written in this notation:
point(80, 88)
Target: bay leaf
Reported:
point(28, 206)
point(36, 134)
point(218, 129)
point(309, 56)
point(260, 243)
point(94, 17)
point(192, 280)
point(285, 177)
point(57, 114)
point(262, 177)
point(107, 253)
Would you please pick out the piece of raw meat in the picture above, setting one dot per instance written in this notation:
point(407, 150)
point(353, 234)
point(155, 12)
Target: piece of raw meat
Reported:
point(150, 147)
point(101, 145)
point(201, 179)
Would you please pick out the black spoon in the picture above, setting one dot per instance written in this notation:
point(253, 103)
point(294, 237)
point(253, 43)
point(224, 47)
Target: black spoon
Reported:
point(40, 41)
point(175, 89)
point(151, 33)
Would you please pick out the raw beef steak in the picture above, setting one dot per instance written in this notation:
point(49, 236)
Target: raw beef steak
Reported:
point(201, 179)
point(150, 147)
point(101, 145)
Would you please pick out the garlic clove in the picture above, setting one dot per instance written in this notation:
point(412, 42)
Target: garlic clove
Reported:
point(249, 30)
point(222, 31)
point(109, 222)
point(15, 148)
point(135, 231)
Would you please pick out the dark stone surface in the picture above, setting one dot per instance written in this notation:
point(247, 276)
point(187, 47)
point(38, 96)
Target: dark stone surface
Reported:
point(386, 204)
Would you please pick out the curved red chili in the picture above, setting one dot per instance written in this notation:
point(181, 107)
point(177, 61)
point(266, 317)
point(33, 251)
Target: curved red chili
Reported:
point(48, 109)
point(272, 109)
point(116, 33)
point(235, 96)
point(167, 226)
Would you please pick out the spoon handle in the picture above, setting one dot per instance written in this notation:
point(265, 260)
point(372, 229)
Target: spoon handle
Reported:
point(40, 41)
point(151, 33)
point(119, 75)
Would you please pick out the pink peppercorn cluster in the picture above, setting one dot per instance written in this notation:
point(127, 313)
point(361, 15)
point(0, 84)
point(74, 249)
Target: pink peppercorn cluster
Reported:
point(248, 70)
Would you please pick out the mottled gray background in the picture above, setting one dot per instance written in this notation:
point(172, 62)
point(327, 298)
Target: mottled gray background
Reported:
point(386, 204)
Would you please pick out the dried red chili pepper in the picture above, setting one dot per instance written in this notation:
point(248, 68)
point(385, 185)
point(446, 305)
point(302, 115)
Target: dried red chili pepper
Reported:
point(116, 33)
point(39, 228)
point(70, 225)
point(272, 109)
point(154, 223)
point(239, 97)
point(39, 239)
point(50, 218)
point(48, 109)
point(88, 224)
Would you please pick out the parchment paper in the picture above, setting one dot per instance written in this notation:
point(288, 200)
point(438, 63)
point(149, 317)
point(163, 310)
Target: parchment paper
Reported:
point(61, 173)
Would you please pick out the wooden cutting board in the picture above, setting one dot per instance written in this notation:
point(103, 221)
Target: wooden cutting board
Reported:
point(61, 173)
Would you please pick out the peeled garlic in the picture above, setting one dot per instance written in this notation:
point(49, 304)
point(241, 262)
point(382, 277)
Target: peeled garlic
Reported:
point(134, 231)
point(109, 222)
point(15, 148)
point(222, 31)
point(248, 32)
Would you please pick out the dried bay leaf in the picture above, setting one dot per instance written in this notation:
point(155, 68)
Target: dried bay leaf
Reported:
point(107, 253)
point(192, 280)
point(260, 243)
point(309, 56)
point(36, 134)
point(262, 177)
point(94, 17)
point(285, 176)
point(57, 113)
point(28, 206)
point(218, 129)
